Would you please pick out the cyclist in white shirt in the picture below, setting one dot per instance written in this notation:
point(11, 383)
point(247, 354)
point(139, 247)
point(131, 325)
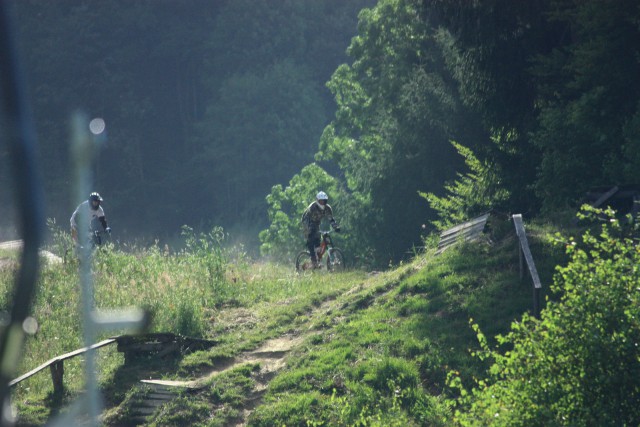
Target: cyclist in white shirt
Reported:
point(90, 207)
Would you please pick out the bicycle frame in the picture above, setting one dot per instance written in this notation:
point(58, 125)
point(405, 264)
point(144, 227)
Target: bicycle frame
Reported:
point(325, 241)
point(333, 261)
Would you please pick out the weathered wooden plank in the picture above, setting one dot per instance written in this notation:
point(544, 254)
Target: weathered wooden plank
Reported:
point(154, 403)
point(85, 349)
point(144, 347)
point(605, 196)
point(453, 230)
point(160, 342)
point(524, 244)
point(57, 373)
point(468, 231)
point(60, 359)
point(145, 343)
point(146, 411)
point(156, 337)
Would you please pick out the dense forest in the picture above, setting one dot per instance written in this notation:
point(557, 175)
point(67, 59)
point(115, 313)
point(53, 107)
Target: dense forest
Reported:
point(411, 114)
point(451, 108)
point(207, 103)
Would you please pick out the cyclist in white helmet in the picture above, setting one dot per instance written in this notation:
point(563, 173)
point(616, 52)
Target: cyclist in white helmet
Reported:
point(90, 207)
point(311, 219)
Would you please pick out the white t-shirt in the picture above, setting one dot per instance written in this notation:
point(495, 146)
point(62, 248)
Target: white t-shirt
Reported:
point(84, 209)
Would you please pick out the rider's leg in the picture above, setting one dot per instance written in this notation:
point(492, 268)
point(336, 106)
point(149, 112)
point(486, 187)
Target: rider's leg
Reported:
point(312, 242)
point(312, 250)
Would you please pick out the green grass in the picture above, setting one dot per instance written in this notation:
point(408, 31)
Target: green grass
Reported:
point(376, 348)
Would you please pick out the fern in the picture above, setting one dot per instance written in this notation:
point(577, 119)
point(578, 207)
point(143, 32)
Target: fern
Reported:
point(473, 193)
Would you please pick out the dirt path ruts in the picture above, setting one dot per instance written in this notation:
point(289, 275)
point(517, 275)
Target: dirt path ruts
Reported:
point(271, 356)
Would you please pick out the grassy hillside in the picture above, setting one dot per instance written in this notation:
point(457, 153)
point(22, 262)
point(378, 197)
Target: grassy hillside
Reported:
point(358, 348)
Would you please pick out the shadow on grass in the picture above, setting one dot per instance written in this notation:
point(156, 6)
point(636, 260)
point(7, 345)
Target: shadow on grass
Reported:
point(469, 284)
point(130, 374)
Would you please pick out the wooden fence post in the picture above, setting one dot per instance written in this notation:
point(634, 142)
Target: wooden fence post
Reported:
point(526, 251)
point(521, 259)
point(57, 373)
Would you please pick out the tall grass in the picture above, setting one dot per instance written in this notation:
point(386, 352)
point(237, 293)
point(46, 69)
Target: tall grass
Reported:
point(179, 289)
point(184, 290)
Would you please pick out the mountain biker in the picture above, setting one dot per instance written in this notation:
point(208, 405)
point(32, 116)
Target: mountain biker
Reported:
point(90, 207)
point(311, 219)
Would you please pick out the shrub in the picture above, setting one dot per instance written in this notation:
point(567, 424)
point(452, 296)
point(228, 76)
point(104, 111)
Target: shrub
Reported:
point(578, 365)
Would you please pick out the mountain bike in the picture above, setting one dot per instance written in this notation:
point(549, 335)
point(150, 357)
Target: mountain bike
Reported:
point(95, 238)
point(333, 261)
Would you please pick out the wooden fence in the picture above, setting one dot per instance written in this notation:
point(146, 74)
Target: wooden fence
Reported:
point(56, 365)
point(473, 230)
point(467, 232)
point(160, 344)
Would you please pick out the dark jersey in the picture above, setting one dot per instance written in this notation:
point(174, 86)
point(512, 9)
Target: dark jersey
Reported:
point(313, 216)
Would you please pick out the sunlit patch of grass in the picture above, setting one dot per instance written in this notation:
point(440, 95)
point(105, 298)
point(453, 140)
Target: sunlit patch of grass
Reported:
point(396, 341)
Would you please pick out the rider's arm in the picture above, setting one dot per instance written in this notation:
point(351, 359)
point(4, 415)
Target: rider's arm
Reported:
point(328, 212)
point(332, 220)
point(74, 225)
point(103, 221)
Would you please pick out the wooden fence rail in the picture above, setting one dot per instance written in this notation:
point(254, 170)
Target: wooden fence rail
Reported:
point(56, 365)
point(159, 344)
point(467, 232)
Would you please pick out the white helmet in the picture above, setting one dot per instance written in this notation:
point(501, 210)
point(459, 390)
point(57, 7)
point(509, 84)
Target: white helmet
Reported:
point(322, 196)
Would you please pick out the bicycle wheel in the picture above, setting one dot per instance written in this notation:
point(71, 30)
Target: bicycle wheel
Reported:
point(303, 261)
point(335, 260)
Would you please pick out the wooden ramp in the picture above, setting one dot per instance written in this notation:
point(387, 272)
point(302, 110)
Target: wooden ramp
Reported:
point(465, 232)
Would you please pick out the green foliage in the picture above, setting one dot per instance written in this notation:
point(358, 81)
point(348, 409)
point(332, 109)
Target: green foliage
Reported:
point(207, 250)
point(185, 291)
point(61, 241)
point(370, 349)
point(587, 109)
point(259, 131)
point(577, 365)
point(488, 49)
point(219, 111)
point(181, 411)
point(382, 358)
point(472, 194)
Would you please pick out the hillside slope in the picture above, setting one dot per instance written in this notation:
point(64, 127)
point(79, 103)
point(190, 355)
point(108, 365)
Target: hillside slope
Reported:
point(369, 349)
point(355, 348)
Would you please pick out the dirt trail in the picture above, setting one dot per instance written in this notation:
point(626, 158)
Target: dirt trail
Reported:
point(271, 356)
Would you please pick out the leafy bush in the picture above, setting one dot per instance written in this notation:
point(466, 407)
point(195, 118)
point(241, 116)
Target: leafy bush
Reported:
point(579, 364)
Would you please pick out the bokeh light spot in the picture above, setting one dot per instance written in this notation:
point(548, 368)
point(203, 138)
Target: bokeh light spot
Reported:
point(97, 126)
